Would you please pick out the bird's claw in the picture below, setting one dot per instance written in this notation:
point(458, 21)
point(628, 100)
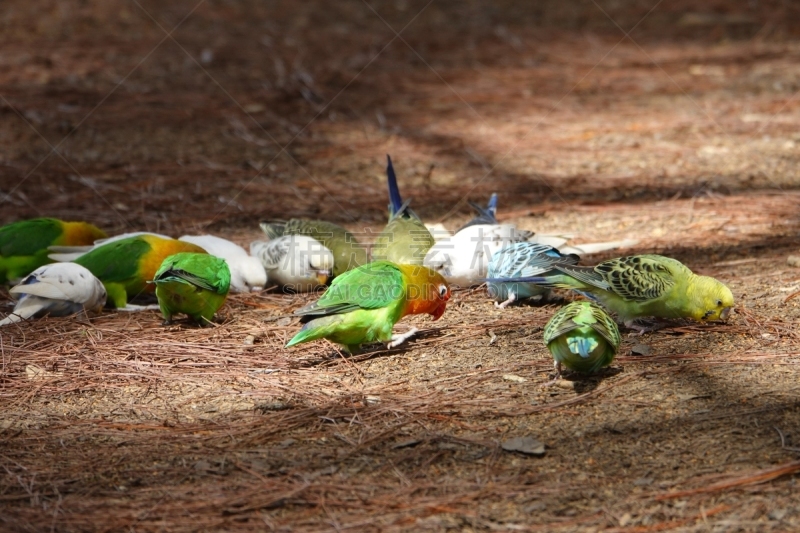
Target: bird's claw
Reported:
point(400, 338)
point(510, 300)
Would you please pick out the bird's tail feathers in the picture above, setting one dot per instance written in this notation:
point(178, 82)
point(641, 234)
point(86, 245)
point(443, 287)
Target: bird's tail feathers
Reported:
point(315, 329)
point(486, 215)
point(395, 200)
point(536, 280)
point(66, 254)
point(23, 311)
point(582, 346)
point(491, 207)
point(273, 229)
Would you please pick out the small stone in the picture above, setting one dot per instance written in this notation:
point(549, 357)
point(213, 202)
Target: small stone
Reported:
point(641, 349)
point(514, 378)
point(249, 340)
point(643, 481)
point(793, 261)
point(285, 321)
point(564, 384)
point(777, 514)
point(527, 445)
point(408, 443)
point(534, 507)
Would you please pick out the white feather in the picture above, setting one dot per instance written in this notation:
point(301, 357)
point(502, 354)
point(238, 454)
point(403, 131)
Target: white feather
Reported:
point(247, 274)
point(597, 247)
point(58, 289)
point(463, 259)
point(294, 261)
point(64, 254)
point(438, 231)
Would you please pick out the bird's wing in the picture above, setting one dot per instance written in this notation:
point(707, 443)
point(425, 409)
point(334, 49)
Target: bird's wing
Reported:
point(271, 253)
point(605, 326)
point(216, 246)
point(201, 270)
point(562, 322)
point(373, 286)
point(526, 259)
point(28, 237)
point(60, 281)
point(637, 278)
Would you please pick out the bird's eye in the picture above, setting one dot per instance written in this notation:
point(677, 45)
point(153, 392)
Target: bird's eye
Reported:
point(719, 303)
point(442, 291)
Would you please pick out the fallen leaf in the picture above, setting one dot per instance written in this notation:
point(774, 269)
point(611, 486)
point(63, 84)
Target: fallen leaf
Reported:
point(527, 445)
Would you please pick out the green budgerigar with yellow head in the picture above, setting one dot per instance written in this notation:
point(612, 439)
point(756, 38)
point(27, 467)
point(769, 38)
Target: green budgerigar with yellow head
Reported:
point(582, 337)
point(638, 286)
point(193, 284)
point(405, 239)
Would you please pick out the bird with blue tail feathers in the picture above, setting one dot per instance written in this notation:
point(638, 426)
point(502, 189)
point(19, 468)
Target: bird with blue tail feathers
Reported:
point(463, 259)
point(405, 239)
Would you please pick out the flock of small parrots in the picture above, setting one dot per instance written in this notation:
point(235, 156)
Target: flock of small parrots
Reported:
point(64, 268)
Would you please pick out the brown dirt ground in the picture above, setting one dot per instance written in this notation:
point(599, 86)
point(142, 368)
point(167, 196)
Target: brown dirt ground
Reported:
point(683, 135)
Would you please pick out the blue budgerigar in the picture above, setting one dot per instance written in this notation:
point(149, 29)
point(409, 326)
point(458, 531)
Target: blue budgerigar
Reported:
point(521, 260)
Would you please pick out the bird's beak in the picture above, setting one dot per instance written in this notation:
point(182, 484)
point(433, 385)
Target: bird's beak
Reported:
point(439, 311)
point(725, 313)
point(322, 276)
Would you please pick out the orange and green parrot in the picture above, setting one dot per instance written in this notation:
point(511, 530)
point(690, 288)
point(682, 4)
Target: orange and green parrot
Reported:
point(23, 244)
point(363, 305)
point(193, 284)
point(405, 239)
point(127, 266)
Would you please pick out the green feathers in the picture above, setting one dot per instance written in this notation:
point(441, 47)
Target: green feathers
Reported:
point(348, 253)
point(193, 284)
point(405, 239)
point(23, 245)
point(127, 266)
point(582, 337)
point(360, 306)
point(645, 285)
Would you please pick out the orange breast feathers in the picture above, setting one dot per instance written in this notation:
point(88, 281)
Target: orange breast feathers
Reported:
point(160, 249)
point(426, 291)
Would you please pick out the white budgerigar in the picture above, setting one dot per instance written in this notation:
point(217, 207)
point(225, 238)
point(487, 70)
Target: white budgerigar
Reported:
point(463, 259)
point(295, 262)
point(58, 289)
point(247, 272)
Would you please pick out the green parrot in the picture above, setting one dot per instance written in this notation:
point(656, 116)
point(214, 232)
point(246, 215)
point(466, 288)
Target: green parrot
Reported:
point(405, 239)
point(347, 252)
point(23, 245)
point(127, 266)
point(364, 304)
point(637, 286)
point(582, 337)
point(193, 284)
